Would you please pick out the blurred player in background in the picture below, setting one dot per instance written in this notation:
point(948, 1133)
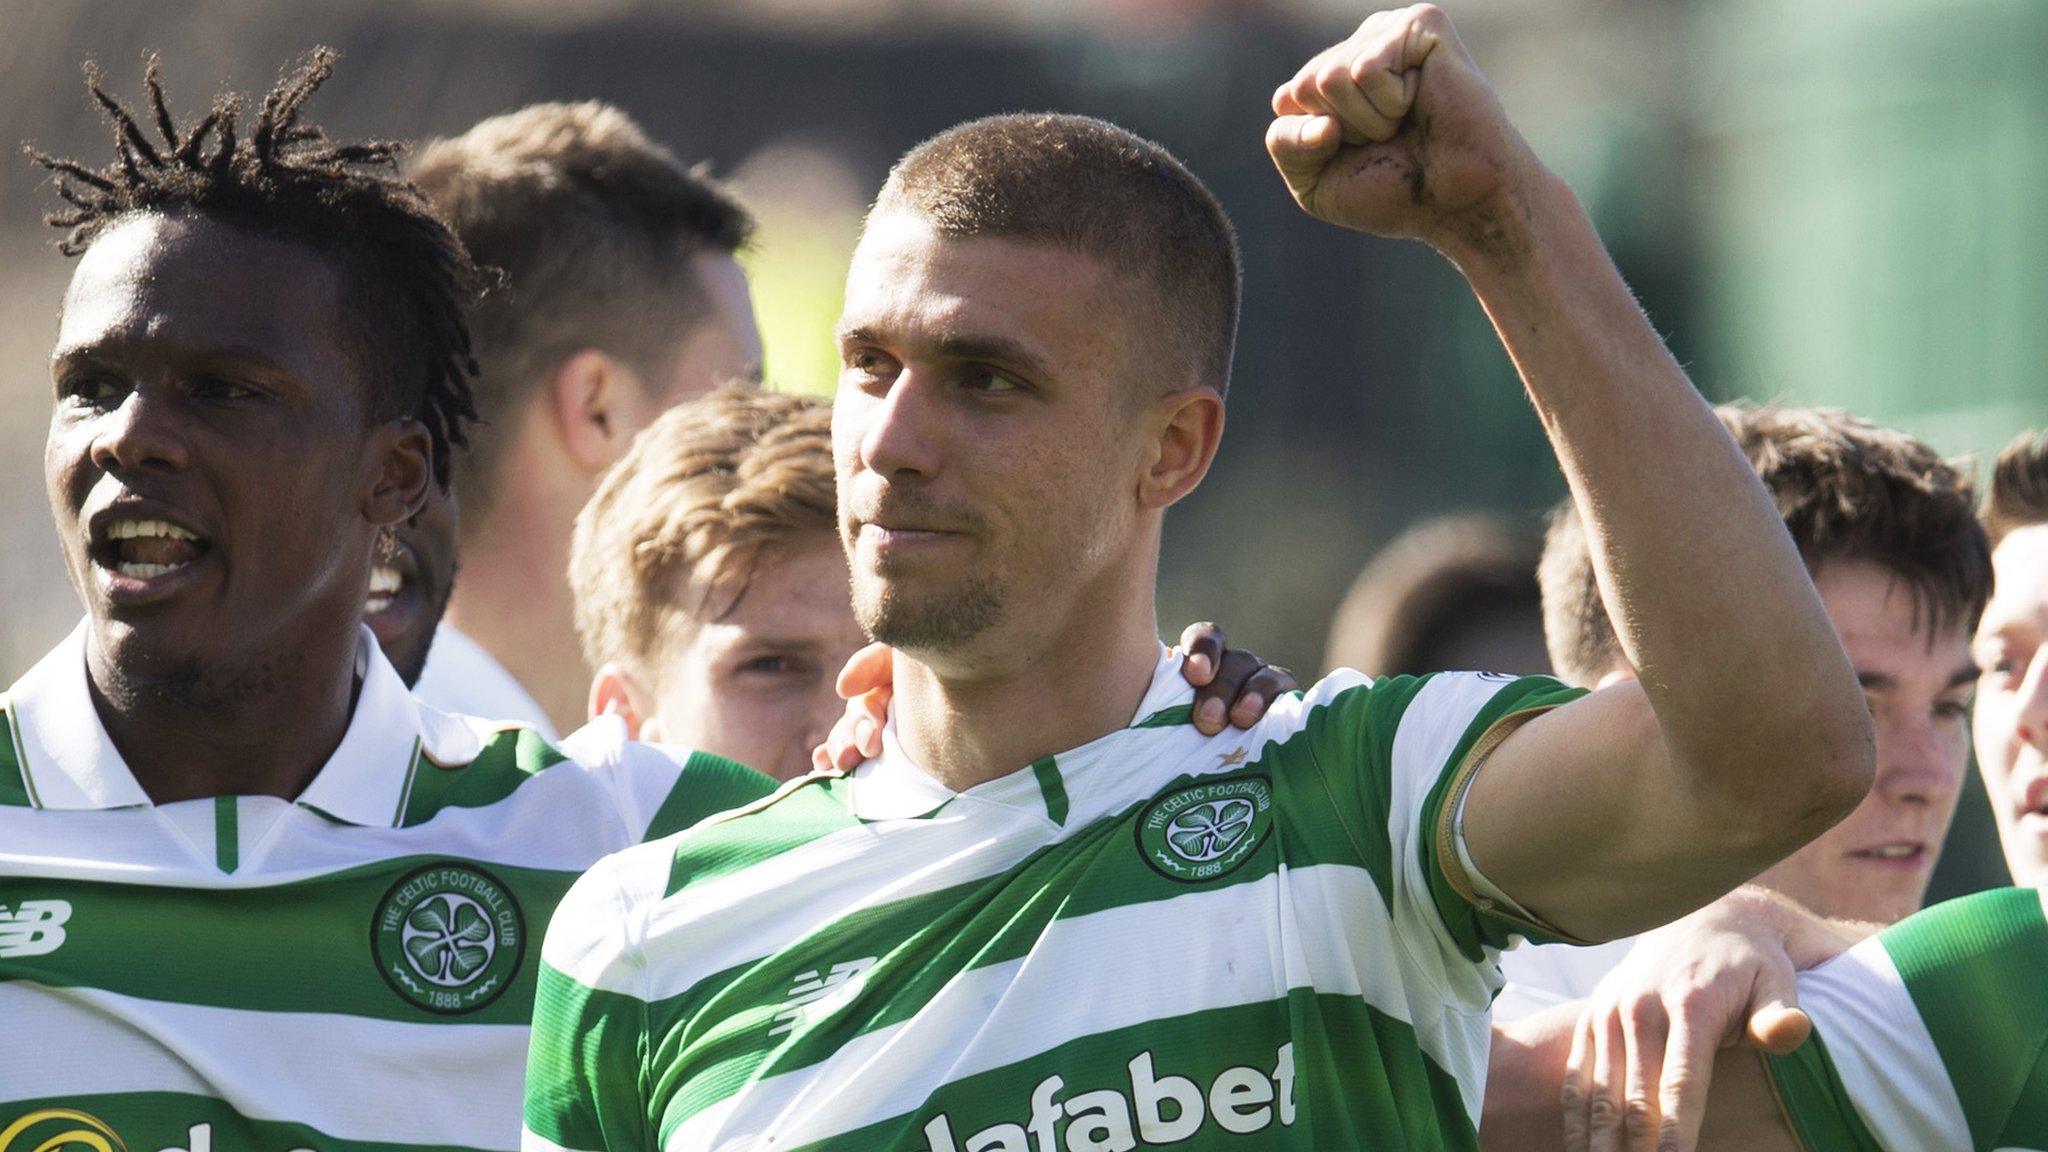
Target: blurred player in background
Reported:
point(710, 588)
point(621, 296)
point(1049, 905)
point(1889, 531)
point(254, 894)
point(2011, 721)
point(1453, 592)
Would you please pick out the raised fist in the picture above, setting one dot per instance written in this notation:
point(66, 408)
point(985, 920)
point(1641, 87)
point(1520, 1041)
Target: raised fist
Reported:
point(1395, 132)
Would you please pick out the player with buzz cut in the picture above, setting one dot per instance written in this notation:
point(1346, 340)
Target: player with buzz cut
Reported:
point(1049, 916)
point(253, 894)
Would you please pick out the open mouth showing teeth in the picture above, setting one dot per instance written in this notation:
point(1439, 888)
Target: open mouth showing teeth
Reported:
point(385, 582)
point(146, 549)
point(1892, 852)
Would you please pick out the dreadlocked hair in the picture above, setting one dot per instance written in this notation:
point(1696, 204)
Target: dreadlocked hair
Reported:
point(410, 281)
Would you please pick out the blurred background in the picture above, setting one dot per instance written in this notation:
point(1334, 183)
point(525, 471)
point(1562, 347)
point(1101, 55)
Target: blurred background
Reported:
point(1822, 201)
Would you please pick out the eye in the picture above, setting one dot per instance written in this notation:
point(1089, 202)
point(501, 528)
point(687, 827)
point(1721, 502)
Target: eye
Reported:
point(869, 362)
point(989, 381)
point(2004, 667)
point(92, 391)
point(1952, 709)
point(766, 666)
point(215, 388)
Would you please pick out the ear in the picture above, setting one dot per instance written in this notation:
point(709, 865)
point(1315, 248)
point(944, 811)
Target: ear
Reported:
point(1183, 430)
point(400, 469)
point(587, 394)
point(615, 692)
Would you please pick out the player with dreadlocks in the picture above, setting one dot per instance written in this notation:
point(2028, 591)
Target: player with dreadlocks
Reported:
point(252, 893)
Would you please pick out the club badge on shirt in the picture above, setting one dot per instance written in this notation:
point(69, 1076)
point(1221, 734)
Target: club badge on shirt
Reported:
point(448, 937)
point(1206, 830)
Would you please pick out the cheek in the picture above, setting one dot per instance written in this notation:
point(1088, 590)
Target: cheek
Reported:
point(1993, 733)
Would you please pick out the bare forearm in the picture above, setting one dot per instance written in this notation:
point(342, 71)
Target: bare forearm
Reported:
point(1524, 1081)
point(1710, 600)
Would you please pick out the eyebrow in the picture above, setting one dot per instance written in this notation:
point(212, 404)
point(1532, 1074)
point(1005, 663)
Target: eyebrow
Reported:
point(966, 347)
point(110, 353)
point(1965, 673)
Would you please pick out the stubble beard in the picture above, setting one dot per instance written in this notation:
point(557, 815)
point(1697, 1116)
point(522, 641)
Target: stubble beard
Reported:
point(943, 620)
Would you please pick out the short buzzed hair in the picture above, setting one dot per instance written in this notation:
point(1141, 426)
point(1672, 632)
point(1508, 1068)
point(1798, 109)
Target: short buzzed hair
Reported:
point(2019, 487)
point(1089, 187)
point(681, 523)
point(1847, 489)
point(592, 226)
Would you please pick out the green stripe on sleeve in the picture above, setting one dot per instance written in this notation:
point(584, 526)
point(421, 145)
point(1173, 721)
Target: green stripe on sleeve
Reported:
point(2027, 1127)
point(1815, 1103)
point(1470, 925)
point(585, 1072)
point(1976, 969)
point(706, 786)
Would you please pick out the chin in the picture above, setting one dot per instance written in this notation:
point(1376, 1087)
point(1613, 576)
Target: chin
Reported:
point(927, 619)
point(155, 650)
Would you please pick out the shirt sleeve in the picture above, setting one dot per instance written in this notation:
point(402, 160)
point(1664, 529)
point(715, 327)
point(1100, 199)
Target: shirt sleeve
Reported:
point(1398, 752)
point(585, 1070)
point(1930, 1035)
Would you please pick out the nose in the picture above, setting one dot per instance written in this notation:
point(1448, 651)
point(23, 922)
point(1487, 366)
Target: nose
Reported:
point(138, 435)
point(898, 434)
point(2031, 717)
point(1916, 766)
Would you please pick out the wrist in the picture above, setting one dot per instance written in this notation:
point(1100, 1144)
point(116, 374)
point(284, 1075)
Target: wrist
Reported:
point(1502, 236)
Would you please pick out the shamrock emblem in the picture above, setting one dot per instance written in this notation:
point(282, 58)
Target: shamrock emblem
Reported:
point(1206, 831)
point(448, 939)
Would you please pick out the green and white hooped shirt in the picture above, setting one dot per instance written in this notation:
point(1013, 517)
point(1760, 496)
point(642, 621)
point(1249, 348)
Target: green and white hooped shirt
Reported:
point(352, 970)
point(1931, 1036)
point(1254, 940)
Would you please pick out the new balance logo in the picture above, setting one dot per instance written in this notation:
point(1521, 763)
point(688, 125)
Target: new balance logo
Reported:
point(33, 928)
point(815, 994)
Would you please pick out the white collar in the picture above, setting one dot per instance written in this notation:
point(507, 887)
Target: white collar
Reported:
point(893, 786)
point(70, 763)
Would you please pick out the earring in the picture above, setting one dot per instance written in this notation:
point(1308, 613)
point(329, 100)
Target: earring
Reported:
point(387, 544)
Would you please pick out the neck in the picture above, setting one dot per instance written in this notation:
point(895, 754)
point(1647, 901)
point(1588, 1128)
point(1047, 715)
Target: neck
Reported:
point(969, 725)
point(513, 598)
point(262, 729)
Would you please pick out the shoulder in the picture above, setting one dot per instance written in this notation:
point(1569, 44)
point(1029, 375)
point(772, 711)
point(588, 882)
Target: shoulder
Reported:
point(593, 938)
point(1427, 719)
point(1930, 1033)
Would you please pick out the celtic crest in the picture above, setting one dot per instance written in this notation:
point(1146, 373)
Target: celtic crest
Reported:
point(1209, 829)
point(1206, 829)
point(448, 937)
